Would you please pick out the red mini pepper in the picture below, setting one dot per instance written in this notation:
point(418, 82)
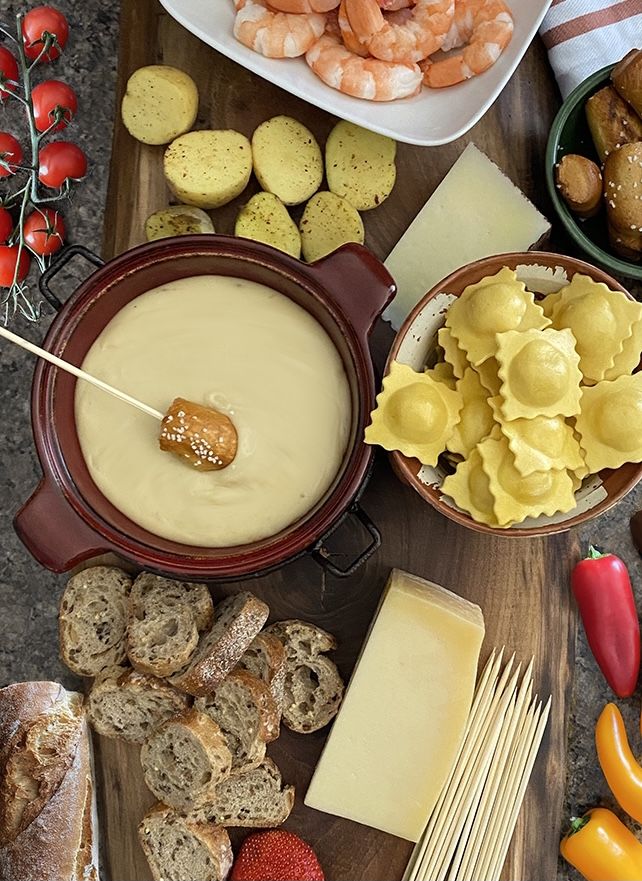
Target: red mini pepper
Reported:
point(602, 588)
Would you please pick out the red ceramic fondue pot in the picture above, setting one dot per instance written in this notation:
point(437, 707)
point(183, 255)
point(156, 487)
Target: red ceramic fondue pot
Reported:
point(67, 520)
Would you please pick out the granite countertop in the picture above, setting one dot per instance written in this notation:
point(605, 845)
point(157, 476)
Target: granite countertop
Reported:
point(29, 594)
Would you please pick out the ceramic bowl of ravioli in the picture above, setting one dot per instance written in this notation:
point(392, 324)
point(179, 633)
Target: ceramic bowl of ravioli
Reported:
point(415, 345)
point(69, 520)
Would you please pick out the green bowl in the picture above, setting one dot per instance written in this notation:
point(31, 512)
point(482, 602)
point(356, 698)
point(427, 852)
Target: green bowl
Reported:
point(570, 134)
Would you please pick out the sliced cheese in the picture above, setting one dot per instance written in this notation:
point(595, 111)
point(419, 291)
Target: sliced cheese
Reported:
point(396, 736)
point(475, 211)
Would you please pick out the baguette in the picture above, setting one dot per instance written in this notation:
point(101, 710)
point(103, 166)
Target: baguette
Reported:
point(265, 659)
point(178, 849)
point(49, 816)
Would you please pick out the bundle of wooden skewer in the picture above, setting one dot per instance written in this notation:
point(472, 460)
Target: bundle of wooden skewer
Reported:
point(470, 829)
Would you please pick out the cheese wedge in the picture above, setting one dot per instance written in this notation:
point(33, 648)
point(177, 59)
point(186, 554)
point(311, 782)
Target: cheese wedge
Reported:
point(402, 720)
point(475, 211)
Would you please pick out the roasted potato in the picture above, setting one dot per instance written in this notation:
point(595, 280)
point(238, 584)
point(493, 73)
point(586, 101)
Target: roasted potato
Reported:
point(287, 159)
point(611, 121)
point(208, 168)
point(328, 222)
point(626, 76)
point(360, 165)
point(265, 219)
point(177, 220)
point(579, 181)
point(159, 103)
point(622, 190)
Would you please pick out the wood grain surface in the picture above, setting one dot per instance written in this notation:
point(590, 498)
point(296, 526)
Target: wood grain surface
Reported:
point(521, 585)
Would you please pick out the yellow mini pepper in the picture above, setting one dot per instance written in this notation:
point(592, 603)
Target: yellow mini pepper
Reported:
point(601, 848)
point(622, 772)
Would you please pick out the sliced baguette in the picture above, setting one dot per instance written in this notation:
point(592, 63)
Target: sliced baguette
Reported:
point(253, 799)
point(238, 619)
point(313, 688)
point(93, 618)
point(265, 659)
point(178, 849)
point(154, 592)
point(184, 760)
point(244, 709)
point(161, 642)
point(129, 705)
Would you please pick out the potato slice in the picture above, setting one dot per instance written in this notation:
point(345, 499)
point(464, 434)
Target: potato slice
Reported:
point(328, 222)
point(265, 219)
point(159, 104)
point(287, 159)
point(177, 220)
point(208, 168)
point(360, 165)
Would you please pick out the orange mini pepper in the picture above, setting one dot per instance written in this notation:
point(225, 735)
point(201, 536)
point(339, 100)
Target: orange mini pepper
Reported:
point(622, 772)
point(601, 848)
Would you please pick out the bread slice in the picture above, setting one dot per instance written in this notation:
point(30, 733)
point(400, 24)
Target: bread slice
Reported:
point(265, 659)
point(237, 621)
point(244, 709)
point(253, 799)
point(177, 849)
point(184, 760)
point(129, 705)
point(36, 759)
point(152, 591)
point(162, 640)
point(313, 688)
point(93, 618)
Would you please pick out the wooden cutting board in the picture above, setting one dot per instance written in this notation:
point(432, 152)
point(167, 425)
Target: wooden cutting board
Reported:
point(521, 585)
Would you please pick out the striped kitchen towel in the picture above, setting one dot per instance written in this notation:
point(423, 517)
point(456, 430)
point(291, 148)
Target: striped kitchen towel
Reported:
point(584, 35)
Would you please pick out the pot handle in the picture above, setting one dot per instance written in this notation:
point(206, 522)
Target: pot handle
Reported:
point(60, 260)
point(53, 533)
point(359, 284)
point(321, 555)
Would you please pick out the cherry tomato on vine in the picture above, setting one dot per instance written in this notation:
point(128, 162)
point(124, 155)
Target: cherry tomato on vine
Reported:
point(44, 231)
point(10, 153)
point(61, 161)
point(53, 100)
point(6, 225)
point(41, 25)
point(8, 261)
point(8, 71)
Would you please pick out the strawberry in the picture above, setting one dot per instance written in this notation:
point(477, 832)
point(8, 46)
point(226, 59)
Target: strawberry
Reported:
point(276, 856)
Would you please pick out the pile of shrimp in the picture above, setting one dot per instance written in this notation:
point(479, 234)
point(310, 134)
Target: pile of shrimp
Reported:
point(379, 50)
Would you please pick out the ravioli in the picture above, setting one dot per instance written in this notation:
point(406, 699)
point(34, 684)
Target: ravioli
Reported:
point(628, 359)
point(542, 443)
point(610, 424)
point(539, 373)
point(488, 375)
point(469, 488)
point(453, 355)
point(496, 304)
point(476, 419)
point(549, 302)
point(518, 497)
point(442, 372)
point(601, 321)
point(415, 414)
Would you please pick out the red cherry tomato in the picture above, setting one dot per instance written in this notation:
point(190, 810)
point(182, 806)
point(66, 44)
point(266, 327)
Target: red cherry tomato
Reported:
point(8, 261)
point(44, 23)
point(8, 71)
point(44, 231)
point(10, 153)
point(61, 161)
point(53, 100)
point(6, 225)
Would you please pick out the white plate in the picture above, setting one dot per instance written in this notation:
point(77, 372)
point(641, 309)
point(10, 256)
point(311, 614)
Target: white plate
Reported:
point(431, 118)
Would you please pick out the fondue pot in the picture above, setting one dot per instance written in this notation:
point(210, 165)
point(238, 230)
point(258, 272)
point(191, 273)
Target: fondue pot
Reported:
point(67, 520)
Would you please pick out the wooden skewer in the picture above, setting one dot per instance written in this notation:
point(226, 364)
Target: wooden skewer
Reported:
point(80, 374)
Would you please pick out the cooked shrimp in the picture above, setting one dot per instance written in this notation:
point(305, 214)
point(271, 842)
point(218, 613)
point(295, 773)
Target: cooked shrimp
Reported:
point(484, 28)
point(350, 40)
point(276, 34)
point(368, 78)
point(412, 41)
point(304, 6)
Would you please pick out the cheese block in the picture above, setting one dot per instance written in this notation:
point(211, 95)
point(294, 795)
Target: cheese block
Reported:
point(402, 720)
point(475, 211)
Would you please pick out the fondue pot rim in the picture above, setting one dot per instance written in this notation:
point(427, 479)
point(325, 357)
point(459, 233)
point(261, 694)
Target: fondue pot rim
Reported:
point(316, 281)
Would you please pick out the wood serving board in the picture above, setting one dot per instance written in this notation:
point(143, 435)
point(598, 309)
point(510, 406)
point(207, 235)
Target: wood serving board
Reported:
point(521, 585)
